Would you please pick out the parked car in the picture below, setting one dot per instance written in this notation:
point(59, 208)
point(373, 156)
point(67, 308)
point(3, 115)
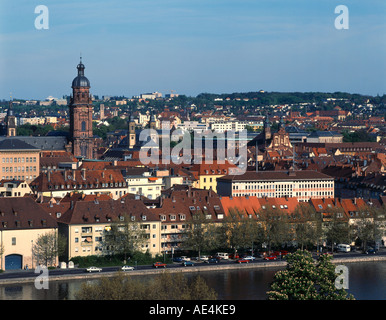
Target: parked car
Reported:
point(271, 257)
point(204, 258)
point(127, 268)
point(222, 255)
point(93, 269)
point(177, 259)
point(249, 258)
point(242, 260)
point(343, 247)
point(370, 251)
point(187, 263)
point(212, 260)
point(185, 258)
point(234, 256)
point(159, 265)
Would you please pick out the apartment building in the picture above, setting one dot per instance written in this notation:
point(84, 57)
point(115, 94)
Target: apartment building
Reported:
point(177, 207)
point(18, 160)
point(303, 185)
point(86, 223)
point(59, 183)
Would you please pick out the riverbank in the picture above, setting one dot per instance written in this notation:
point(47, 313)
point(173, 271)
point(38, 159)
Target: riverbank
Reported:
point(197, 269)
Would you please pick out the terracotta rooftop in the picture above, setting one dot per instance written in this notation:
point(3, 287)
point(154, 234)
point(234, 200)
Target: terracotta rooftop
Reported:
point(23, 213)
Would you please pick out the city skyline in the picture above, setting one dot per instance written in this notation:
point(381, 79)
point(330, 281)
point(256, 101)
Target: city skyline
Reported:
point(130, 48)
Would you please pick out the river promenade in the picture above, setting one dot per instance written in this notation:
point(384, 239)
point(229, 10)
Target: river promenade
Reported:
point(80, 274)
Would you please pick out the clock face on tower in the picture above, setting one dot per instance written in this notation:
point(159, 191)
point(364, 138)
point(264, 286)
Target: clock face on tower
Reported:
point(81, 110)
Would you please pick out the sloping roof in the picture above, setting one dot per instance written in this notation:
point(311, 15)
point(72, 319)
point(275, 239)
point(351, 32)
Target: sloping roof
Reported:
point(42, 143)
point(86, 212)
point(23, 213)
point(15, 144)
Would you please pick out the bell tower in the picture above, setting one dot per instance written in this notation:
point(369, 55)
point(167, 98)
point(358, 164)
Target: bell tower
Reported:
point(81, 110)
point(11, 121)
point(131, 135)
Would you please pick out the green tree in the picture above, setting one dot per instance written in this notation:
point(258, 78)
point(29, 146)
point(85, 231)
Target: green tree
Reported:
point(124, 238)
point(370, 225)
point(336, 228)
point(277, 229)
point(164, 286)
point(47, 248)
point(303, 279)
point(308, 225)
point(238, 231)
point(200, 234)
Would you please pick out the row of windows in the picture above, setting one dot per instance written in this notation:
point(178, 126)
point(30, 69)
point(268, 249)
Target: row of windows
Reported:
point(281, 186)
point(19, 169)
point(18, 177)
point(20, 159)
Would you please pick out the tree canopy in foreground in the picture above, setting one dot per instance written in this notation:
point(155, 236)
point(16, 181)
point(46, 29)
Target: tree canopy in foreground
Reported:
point(305, 279)
point(165, 286)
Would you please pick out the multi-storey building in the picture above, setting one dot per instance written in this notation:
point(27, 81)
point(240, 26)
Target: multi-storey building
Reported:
point(18, 160)
point(304, 185)
point(59, 183)
point(86, 223)
point(178, 205)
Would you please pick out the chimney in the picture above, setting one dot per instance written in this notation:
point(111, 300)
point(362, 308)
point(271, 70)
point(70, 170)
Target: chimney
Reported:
point(83, 173)
point(49, 176)
point(103, 174)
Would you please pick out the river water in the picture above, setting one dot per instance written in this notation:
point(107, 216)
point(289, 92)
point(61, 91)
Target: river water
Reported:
point(367, 281)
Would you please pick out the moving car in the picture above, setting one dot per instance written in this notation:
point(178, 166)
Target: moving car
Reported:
point(187, 263)
point(159, 265)
point(127, 268)
point(93, 269)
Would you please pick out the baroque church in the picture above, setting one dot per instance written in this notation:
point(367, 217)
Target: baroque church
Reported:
point(80, 140)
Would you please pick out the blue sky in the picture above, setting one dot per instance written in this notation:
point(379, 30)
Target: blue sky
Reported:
point(192, 46)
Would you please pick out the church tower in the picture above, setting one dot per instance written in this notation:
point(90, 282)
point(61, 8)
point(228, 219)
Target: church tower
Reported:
point(11, 121)
point(81, 110)
point(131, 137)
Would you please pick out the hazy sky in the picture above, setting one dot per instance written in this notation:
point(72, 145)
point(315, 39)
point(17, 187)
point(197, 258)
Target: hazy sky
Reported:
point(131, 47)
